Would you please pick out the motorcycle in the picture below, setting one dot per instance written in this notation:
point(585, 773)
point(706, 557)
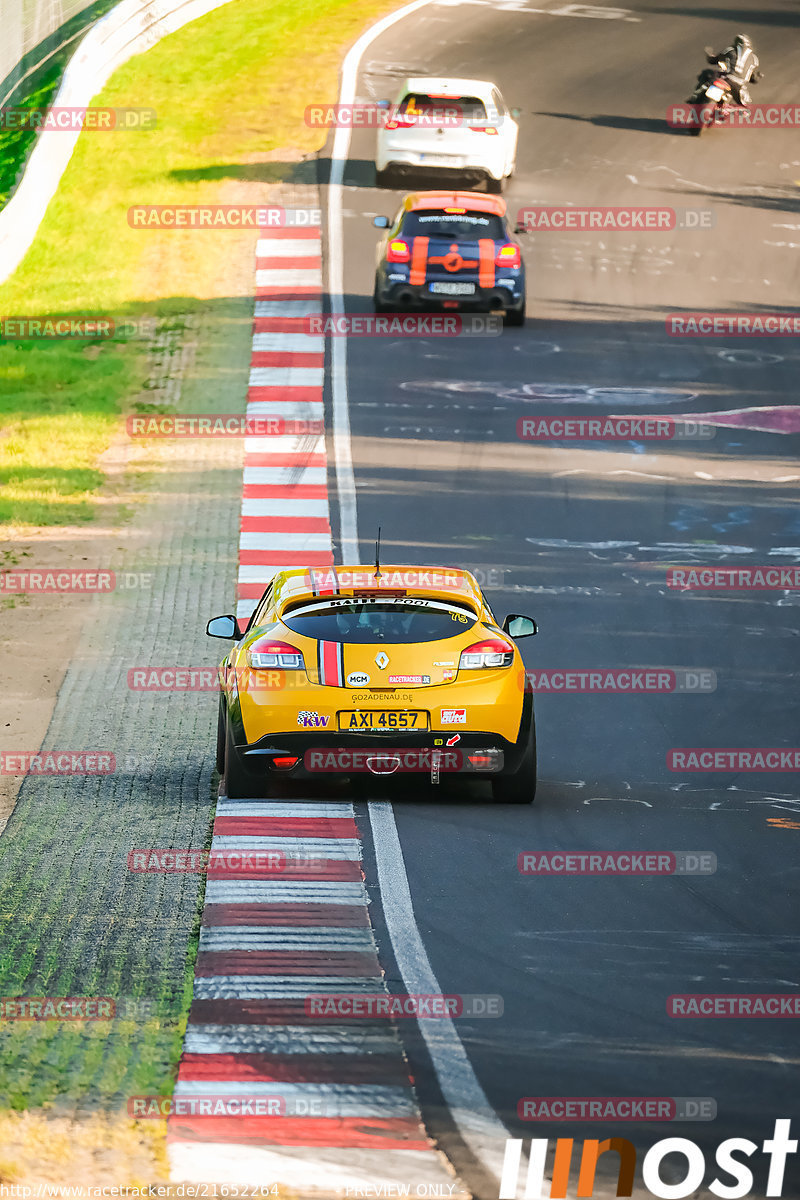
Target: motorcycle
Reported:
point(712, 99)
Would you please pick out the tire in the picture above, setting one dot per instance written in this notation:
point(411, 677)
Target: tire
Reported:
point(521, 787)
point(515, 316)
point(383, 179)
point(239, 784)
point(377, 304)
point(221, 722)
point(494, 186)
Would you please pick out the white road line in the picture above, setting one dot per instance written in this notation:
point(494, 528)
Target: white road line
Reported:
point(484, 1134)
point(476, 1121)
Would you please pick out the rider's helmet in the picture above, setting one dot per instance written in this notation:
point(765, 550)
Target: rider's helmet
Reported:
point(742, 42)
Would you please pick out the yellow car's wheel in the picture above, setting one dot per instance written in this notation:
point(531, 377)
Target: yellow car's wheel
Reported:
point(521, 787)
point(239, 784)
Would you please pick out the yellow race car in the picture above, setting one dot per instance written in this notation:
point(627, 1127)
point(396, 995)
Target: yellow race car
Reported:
point(382, 670)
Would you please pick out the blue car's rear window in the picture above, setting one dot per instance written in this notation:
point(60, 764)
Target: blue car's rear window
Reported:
point(466, 227)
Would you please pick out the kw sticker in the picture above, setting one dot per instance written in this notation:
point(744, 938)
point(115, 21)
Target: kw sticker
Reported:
point(312, 720)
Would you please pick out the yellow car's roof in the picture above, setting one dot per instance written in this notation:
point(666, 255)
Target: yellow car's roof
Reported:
point(308, 583)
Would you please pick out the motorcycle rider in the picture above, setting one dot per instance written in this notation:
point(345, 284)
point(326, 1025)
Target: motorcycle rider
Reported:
point(741, 66)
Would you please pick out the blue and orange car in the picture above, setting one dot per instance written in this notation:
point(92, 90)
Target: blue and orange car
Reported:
point(450, 250)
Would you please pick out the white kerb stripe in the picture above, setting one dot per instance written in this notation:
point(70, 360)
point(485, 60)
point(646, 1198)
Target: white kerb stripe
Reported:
point(295, 343)
point(289, 1039)
point(287, 308)
point(289, 277)
point(316, 847)
point(286, 987)
point(263, 891)
point(297, 410)
point(280, 506)
point(290, 476)
point(284, 443)
point(272, 542)
point(288, 248)
point(284, 937)
point(298, 807)
point(287, 376)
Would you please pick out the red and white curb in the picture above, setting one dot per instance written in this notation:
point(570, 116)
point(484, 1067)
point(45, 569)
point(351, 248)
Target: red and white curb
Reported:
point(272, 940)
point(285, 512)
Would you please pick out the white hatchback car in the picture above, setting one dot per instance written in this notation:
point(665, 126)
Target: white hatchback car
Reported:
point(448, 125)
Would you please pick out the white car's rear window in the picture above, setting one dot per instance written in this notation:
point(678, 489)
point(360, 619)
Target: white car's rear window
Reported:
point(419, 106)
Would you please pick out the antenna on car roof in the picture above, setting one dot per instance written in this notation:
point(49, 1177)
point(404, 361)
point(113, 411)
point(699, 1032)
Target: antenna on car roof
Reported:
point(378, 555)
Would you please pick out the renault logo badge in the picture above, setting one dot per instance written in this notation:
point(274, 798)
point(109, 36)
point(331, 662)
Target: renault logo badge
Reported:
point(382, 660)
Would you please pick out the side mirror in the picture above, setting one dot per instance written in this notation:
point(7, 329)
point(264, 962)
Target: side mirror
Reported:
point(520, 229)
point(519, 627)
point(380, 222)
point(516, 113)
point(223, 627)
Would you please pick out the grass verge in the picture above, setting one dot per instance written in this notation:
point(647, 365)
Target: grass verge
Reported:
point(230, 91)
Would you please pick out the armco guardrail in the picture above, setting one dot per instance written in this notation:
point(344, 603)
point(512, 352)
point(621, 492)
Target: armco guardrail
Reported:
point(130, 28)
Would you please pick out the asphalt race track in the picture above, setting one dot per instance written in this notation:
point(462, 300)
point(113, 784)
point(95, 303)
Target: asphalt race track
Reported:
point(580, 537)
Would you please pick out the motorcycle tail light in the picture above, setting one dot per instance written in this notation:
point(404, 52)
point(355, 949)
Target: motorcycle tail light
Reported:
point(266, 654)
point(483, 129)
point(491, 653)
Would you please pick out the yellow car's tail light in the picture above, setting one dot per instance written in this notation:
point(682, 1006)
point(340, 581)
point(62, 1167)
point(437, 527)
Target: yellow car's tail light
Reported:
point(490, 653)
point(266, 654)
